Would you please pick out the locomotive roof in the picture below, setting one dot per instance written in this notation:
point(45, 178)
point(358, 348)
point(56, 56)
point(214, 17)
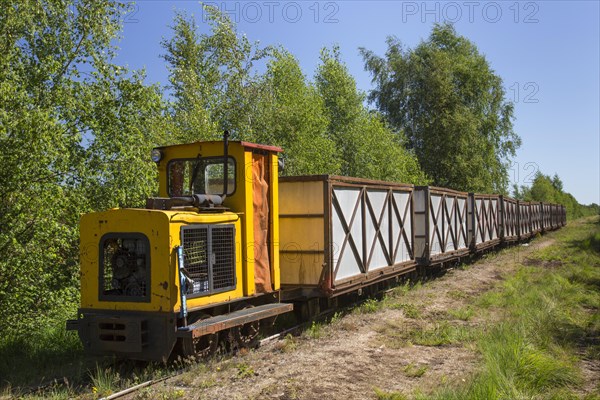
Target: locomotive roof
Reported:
point(250, 145)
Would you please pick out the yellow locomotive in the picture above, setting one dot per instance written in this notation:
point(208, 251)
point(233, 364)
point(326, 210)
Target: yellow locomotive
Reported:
point(200, 259)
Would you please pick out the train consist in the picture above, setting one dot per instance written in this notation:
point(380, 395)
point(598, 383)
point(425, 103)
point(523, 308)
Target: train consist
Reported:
point(229, 245)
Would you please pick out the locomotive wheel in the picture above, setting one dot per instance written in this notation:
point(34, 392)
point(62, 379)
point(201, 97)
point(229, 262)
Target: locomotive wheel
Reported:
point(203, 346)
point(247, 335)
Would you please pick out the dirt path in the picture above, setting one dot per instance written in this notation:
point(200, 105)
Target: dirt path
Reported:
point(361, 353)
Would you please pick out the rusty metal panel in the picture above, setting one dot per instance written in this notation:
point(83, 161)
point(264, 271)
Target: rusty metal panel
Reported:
point(371, 228)
point(546, 216)
point(484, 222)
point(445, 213)
point(509, 219)
point(525, 230)
point(555, 216)
point(340, 233)
point(536, 217)
point(302, 229)
point(235, 318)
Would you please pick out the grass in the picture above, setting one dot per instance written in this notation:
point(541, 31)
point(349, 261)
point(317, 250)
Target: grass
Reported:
point(397, 334)
point(244, 370)
point(463, 314)
point(382, 395)
point(315, 330)
point(548, 318)
point(410, 310)
point(368, 306)
point(54, 353)
point(414, 371)
point(288, 344)
point(104, 381)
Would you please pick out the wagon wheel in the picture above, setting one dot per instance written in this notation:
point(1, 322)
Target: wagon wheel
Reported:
point(246, 336)
point(203, 346)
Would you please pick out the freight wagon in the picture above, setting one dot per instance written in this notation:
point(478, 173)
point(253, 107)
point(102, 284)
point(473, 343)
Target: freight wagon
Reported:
point(229, 245)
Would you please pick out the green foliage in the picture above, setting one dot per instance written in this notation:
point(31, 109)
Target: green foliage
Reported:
point(315, 331)
point(291, 114)
point(383, 395)
point(245, 370)
point(211, 78)
point(76, 130)
point(451, 106)
point(414, 371)
point(366, 146)
point(550, 190)
point(71, 142)
point(105, 381)
point(368, 306)
point(324, 128)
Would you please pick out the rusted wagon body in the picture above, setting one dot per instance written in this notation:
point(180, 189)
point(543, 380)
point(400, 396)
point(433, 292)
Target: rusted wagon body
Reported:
point(556, 216)
point(340, 234)
point(525, 231)
point(484, 222)
point(509, 219)
point(546, 217)
point(536, 217)
point(440, 224)
point(563, 215)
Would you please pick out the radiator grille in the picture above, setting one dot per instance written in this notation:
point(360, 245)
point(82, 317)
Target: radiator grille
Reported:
point(223, 241)
point(125, 264)
point(209, 258)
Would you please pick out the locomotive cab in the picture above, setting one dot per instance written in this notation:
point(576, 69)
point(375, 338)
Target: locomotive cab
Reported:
point(198, 261)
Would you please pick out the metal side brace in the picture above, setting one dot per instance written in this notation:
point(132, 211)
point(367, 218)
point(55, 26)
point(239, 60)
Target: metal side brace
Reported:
point(182, 283)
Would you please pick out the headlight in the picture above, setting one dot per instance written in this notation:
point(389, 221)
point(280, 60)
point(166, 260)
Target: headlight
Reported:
point(156, 155)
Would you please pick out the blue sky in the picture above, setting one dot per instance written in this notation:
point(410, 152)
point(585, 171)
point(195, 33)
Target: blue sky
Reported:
point(547, 53)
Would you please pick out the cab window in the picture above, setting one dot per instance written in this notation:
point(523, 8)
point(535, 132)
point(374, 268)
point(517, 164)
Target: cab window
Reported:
point(200, 176)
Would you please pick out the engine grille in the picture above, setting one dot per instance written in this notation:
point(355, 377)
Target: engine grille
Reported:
point(209, 258)
point(125, 267)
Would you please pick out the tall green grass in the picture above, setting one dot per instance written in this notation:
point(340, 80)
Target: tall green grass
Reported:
point(37, 358)
point(549, 317)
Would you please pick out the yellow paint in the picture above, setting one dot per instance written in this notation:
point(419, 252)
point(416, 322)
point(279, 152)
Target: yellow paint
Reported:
point(274, 228)
point(301, 269)
point(301, 233)
point(162, 228)
point(248, 233)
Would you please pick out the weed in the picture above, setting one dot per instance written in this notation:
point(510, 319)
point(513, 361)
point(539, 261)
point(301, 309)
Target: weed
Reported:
point(244, 370)
point(368, 306)
point(337, 317)
point(457, 294)
point(287, 345)
point(402, 290)
point(414, 371)
point(104, 381)
point(440, 334)
point(206, 383)
point(464, 314)
point(382, 395)
point(409, 310)
point(54, 351)
point(315, 330)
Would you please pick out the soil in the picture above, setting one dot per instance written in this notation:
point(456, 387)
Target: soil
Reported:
point(355, 357)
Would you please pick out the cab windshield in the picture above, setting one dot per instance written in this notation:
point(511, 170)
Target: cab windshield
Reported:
point(200, 176)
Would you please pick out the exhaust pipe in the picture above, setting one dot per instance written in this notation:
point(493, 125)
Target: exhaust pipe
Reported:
point(225, 165)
